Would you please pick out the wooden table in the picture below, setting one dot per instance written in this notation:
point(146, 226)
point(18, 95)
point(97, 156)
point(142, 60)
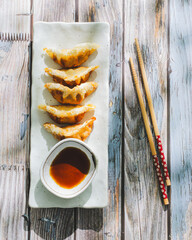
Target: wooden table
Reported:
point(135, 211)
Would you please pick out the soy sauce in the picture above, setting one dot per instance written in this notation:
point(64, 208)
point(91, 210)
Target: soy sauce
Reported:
point(70, 167)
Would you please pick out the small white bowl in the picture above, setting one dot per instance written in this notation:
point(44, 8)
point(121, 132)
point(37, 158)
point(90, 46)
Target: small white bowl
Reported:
point(48, 181)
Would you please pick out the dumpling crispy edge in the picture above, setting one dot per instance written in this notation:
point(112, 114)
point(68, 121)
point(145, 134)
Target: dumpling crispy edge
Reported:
point(72, 57)
point(88, 45)
point(74, 115)
point(79, 131)
point(62, 76)
point(67, 95)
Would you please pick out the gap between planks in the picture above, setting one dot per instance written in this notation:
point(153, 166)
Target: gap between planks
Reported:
point(168, 127)
point(123, 122)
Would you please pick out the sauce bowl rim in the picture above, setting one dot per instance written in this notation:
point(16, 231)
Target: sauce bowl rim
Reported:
point(94, 159)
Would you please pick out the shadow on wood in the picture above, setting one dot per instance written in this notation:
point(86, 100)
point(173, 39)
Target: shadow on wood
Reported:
point(62, 223)
point(52, 223)
point(91, 219)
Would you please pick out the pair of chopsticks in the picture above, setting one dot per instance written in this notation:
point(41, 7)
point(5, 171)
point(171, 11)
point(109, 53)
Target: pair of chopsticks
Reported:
point(154, 123)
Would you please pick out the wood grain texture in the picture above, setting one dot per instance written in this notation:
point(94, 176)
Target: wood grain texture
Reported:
point(143, 209)
point(108, 221)
point(181, 118)
point(54, 11)
point(64, 226)
point(54, 223)
point(15, 18)
point(14, 99)
point(14, 139)
point(13, 202)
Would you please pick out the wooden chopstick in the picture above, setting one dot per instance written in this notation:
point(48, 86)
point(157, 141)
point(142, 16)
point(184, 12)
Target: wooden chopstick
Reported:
point(149, 134)
point(152, 112)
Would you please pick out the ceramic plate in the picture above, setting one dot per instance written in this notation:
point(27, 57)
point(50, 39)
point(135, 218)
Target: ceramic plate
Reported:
point(67, 35)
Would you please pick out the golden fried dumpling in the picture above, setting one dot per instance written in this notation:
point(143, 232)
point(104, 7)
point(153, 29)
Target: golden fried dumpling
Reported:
point(74, 57)
point(67, 114)
point(71, 77)
point(74, 95)
point(79, 131)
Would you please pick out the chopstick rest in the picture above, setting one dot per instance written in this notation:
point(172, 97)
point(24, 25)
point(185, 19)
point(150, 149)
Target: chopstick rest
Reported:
point(149, 135)
point(152, 112)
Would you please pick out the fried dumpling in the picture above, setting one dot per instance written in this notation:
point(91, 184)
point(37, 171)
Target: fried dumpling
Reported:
point(71, 77)
point(74, 95)
point(79, 131)
point(67, 114)
point(74, 57)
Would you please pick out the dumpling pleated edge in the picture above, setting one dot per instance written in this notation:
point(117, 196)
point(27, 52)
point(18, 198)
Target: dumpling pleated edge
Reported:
point(78, 131)
point(71, 77)
point(66, 113)
point(74, 57)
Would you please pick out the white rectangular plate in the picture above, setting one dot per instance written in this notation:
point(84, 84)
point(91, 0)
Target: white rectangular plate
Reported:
point(67, 35)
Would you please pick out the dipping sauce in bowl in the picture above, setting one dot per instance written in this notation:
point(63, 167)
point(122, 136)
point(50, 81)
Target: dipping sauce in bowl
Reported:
point(70, 167)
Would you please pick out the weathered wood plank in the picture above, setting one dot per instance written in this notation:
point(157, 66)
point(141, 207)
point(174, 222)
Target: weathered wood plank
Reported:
point(15, 19)
point(13, 202)
point(14, 138)
point(144, 215)
point(98, 223)
point(14, 107)
point(90, 224)
point(52, 223)
point(65, 224)
point(181, 118)
point(54, 11)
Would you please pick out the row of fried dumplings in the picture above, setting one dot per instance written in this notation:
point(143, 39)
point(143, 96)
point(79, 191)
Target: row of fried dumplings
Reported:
point(70, 89)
